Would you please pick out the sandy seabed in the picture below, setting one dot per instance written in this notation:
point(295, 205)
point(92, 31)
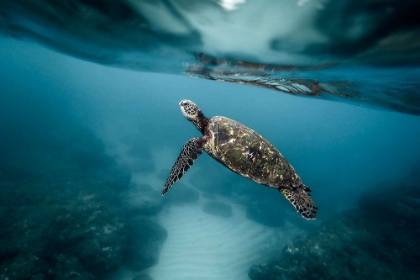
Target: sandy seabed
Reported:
point(204, 246)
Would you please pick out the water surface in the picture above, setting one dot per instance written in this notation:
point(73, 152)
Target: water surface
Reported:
point(90, 128)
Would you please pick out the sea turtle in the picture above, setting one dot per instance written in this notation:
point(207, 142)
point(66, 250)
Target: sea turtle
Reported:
point(243, 151)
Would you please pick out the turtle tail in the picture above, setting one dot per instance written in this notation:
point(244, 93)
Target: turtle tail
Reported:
point(301, 200)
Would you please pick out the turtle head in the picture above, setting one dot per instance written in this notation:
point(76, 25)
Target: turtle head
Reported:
point(193, 113)
point(190, 110)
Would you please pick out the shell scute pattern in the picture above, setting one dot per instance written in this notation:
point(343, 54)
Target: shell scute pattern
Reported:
point(243, 151)
point(248, 153)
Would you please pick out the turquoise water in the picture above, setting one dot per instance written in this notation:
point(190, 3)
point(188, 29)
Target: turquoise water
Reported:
point(89, 133)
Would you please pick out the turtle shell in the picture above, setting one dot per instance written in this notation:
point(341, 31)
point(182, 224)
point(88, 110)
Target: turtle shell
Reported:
point(246, 152)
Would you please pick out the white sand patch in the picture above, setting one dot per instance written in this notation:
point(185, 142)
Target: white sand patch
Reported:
point(202, 246)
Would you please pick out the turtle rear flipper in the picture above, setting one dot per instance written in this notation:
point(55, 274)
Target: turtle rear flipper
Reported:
point(189, 153)
point(301, 200)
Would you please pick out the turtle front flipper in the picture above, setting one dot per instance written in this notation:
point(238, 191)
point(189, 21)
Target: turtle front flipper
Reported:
point(189, 153)
point(301, 200)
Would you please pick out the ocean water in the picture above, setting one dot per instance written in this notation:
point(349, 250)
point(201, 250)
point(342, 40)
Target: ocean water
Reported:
point(90, 128)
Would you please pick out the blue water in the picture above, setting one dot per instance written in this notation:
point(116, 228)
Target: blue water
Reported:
point(85, 149)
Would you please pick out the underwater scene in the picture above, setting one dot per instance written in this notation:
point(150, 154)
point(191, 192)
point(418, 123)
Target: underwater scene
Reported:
point(311, 170)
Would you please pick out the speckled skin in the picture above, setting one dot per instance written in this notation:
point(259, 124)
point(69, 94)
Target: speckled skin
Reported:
point(246, 152)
